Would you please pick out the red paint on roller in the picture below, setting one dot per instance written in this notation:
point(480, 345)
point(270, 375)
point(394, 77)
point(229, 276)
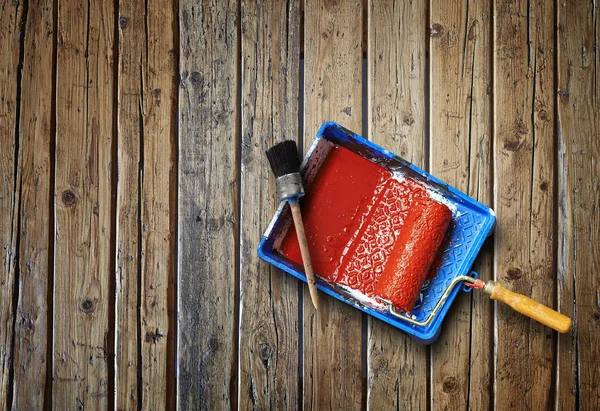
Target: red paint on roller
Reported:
point(368, 254)
point(417, 246)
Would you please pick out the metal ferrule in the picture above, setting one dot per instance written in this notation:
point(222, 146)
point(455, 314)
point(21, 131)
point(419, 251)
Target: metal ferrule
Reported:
point(488, 289)
point(289, 186)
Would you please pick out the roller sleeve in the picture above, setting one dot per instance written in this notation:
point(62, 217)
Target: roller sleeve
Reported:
point(417, 245)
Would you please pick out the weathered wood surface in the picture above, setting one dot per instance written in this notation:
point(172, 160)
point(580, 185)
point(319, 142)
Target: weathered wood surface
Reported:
point(146, 204)
point(158, 203)
point(134, 191)
point(269, 333)
point(478, 99)
point(83, 205)
point(130, 105)
point(35, 164)
point(208, 204)
point(332, 89)
point(523, 199)
point(460, 138)
point(397, 366)
point(578, 168)
point(10, 45)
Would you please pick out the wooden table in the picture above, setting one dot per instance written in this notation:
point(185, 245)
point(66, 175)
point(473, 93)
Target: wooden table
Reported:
point(134, 192)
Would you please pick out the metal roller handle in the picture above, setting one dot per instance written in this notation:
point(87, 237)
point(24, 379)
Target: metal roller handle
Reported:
point(438, 306)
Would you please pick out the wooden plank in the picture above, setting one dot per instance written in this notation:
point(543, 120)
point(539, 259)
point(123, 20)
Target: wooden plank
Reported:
point(269, 331)
point(208, 204)
point(364, 27)
point(158, 205)
point(579, 199)
point(10, 42)
point(35, 237)
point(460, 136)
point(523, 168)
point(397, 366)
point(85, 100)
point(146, 205)
point(333, 90)
point(132, 56)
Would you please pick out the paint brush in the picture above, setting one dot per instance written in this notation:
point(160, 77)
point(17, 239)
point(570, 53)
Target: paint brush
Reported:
point(285, 164)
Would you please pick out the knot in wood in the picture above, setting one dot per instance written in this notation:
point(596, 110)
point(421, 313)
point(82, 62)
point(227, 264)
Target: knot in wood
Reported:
point(380, 364)
point(26, 322)
point(87, 306)
point(266, 351)
point(450, 385)
point(196, 79)
point(514, 274)
point(154, 336)
point(69, 199)
point(436, 30)
point(213, 344)
point(123, 22)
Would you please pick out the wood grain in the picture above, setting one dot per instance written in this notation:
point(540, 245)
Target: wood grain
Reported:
point(579, 198)
point(523, 167)
point(132, 58)
point(333, 78)
point(460, 144)
point(479, 23)
point(146, 204)
point(84, 120)
point(158, 205)
point(208, 204)
point(479, 52)
point(397, 366)
point(269, 333)
point(10, 41)
point(35, 233)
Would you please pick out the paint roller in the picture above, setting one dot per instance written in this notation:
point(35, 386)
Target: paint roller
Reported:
point(416, 248)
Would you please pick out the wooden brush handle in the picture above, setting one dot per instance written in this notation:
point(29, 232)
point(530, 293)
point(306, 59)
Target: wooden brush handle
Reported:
point(310, 275)
point(529, 307)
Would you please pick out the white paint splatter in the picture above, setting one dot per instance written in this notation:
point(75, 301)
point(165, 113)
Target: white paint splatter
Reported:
point(362, 298)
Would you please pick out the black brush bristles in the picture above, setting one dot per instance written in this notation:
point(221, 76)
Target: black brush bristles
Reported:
point(284, 158)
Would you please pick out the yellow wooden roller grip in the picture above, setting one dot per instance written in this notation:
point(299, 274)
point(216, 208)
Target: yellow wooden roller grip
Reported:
point(528, 307)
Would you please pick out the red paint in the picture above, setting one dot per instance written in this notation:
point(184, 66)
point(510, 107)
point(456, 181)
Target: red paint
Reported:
point(336, 204)
point(417, 246)
point(367, 256)
point(354, 214)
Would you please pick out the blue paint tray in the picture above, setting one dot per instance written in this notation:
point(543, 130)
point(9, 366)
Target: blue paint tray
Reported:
point(472, 223)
